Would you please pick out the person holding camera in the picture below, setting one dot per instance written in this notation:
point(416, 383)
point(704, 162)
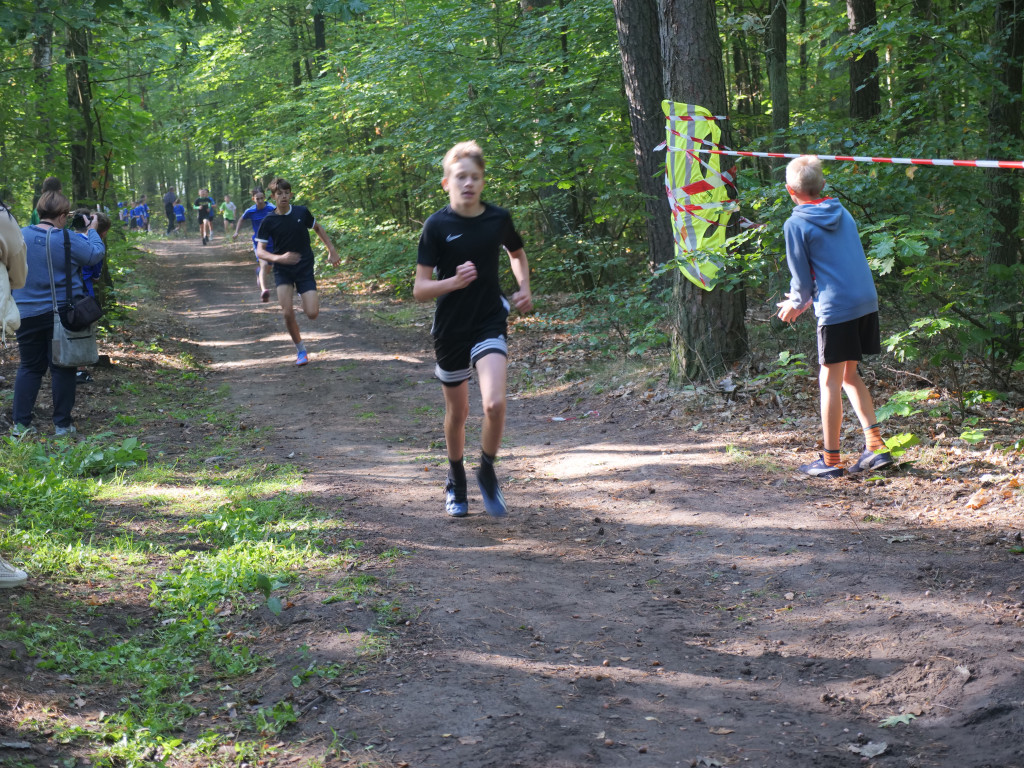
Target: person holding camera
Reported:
point(46, 243)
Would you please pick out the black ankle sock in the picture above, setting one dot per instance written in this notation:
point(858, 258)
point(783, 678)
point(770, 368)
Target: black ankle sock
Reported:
point(457, 472)
point(485, 473)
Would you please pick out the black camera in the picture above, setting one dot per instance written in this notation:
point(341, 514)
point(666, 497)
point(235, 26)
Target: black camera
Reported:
point(81, 219)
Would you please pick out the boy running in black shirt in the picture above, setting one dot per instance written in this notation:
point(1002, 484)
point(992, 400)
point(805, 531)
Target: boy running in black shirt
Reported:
point(457, 264)
point(204, 204)
point(286, 231)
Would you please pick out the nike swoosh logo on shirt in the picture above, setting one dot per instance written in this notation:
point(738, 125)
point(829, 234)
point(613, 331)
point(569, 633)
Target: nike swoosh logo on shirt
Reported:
point(453, 237)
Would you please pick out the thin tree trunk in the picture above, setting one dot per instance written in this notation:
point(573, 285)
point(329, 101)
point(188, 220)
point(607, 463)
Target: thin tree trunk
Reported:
point(640, 49)
point(802, 49)
point(778, 75)
point(708, 329)
point(42, 64)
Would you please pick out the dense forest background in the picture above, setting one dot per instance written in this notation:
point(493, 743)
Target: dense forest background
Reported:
point(356, 102)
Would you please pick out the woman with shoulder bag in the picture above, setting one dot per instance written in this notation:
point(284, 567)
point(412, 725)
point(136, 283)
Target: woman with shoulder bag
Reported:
point(50, 273)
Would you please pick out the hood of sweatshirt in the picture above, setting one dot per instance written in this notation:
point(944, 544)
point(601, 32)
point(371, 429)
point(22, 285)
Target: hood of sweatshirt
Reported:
point(825, 214)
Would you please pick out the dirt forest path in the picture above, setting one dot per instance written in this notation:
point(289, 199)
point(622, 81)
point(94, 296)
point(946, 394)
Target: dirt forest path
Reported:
point(648, 601)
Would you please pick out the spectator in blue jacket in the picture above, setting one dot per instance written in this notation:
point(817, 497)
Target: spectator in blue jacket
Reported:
point(35, 303)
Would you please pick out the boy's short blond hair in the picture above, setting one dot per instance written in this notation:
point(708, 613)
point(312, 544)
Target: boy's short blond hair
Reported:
point(462, 150)
point(804, 175)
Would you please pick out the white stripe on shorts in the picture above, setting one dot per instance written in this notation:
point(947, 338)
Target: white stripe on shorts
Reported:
point(496, 344)
point(451, 377)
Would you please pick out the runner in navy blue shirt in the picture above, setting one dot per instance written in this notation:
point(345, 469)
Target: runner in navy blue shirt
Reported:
point(283, 240)
point(256, 213)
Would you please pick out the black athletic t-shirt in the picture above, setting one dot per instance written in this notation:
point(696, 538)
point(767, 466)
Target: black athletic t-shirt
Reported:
point(449, 240)
point(204, 205)
point(288, 232)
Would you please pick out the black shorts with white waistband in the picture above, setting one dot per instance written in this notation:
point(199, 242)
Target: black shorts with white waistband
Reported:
point(844, 342)
point(456, 359)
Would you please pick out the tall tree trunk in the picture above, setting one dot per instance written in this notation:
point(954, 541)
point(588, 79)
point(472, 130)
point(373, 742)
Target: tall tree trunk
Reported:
point(319, 40)
point(80, 102)
point(293, 31)
point(640, 48)
point(1004, 118)
point(708, 329)
point(865, 96)
point(801, 16)
point(42, 65)
point(778, 75)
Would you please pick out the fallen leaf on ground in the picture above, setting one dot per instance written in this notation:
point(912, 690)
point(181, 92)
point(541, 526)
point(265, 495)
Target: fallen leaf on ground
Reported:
point(720, 731)
point(871, 749)
point(889, 722)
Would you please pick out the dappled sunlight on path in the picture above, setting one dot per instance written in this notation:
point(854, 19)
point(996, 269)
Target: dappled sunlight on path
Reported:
point(653, 592)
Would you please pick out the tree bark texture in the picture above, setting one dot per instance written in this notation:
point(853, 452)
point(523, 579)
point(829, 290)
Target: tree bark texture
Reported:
point(79, 90)
point(42, 64)
point(778, 75)
point(640, 49)
point(865, 96)
point(1005, 131)
point(708, 332)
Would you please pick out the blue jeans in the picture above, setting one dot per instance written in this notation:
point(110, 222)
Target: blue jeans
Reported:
point(34, 337)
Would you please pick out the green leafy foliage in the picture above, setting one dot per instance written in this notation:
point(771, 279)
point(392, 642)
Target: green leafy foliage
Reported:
point(902, 403)
point(786, 369)
point(898, 444)
point(99, 454)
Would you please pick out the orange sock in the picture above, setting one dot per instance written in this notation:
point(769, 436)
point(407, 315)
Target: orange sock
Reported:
point(873, 439)
point(832, 458)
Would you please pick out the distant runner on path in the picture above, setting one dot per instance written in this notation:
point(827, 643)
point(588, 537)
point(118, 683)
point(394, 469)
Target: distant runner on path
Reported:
point(256, 213)
point(457, 264)
point(206, 208)
point(286, 232)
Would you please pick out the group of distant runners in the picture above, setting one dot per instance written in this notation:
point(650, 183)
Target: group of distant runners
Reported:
point(458, 267)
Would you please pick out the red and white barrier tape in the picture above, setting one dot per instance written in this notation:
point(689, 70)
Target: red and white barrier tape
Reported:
point(1017, 164)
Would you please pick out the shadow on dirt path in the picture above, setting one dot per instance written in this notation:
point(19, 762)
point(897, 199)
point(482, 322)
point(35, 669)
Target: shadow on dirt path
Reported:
point(649, 600)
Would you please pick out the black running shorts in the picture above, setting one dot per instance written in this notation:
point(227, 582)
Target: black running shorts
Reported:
point(848, 341)
point(455, 359)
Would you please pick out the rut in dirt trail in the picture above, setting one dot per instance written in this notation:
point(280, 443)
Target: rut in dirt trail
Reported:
point(648, 601)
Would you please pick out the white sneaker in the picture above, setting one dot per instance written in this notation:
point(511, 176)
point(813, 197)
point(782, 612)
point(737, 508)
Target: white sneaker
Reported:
point(11, 576)
point(20, 430)
point(68, 430)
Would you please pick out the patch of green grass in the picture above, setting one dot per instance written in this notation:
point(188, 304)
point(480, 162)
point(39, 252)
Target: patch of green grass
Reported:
point(748, 459)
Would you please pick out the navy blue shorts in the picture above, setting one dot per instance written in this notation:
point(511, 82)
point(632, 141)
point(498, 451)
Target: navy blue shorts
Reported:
point(844, 342)
point(300, 275)
point(456, 359)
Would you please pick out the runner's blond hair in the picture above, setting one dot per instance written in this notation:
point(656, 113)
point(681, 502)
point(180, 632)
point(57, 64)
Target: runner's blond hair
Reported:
point(461, 151)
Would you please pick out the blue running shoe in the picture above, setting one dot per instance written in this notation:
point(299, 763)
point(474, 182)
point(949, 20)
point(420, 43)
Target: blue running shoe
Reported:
point(302, 359)
point(455, 502)
point(869, 461)
point(494, 501)
point(818, 468)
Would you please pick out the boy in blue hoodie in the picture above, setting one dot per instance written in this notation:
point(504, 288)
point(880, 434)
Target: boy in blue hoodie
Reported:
point(829, 269)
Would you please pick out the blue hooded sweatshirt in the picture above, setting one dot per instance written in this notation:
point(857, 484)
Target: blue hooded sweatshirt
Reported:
point(827, 262)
